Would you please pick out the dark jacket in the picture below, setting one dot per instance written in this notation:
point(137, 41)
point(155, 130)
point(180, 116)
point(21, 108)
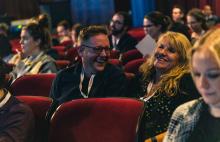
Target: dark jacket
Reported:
point(109, 83)
point(16, 122)
point(159, 108)
point(125, 44)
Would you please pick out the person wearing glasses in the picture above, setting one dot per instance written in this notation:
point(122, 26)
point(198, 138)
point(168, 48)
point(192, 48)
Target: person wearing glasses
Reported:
point(199, 120)
point(119, 38)
point(93, 76)
point(197, 24)
point(155, 23)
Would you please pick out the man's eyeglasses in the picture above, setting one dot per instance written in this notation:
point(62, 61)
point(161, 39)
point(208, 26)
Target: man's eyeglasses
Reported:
point(98, 49)
point(116, 22)
point(148, 26)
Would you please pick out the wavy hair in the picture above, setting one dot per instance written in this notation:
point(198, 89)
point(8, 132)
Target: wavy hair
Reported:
point(169, 82)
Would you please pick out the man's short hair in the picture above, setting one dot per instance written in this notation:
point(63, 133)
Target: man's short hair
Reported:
point(65, 24)
point(126, 16)
point(88, 32)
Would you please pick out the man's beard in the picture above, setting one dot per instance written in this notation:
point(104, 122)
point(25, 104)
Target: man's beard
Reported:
point(116, 32)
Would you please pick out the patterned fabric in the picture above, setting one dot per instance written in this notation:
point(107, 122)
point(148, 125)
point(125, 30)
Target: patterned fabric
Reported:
point(184, 120)
point(160, 106)
point(41, 63)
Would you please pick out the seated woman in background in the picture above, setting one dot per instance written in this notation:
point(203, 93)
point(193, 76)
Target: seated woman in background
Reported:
point(197, 24)
point(164, 83)
point(156, 23)
point(33, 42)
point(16, 119)
point(199, 120)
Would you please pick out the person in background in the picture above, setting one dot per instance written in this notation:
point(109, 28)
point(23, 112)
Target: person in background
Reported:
point(5, 46)
point(63, 31)
point(211, 19)
point(17, 119)
point(197, 24)
point(199, 120)
point(94, 76)
point(119, 38)
point(178, 24)
point(33, 42)
point(178, 14)
point(155, 23)
point(163, 84)
point(76, 28)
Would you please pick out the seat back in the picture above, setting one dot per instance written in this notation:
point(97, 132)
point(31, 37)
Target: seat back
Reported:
point(133, 66)
point(32, 85)
point(39, 106)
point(131, 55)
point(96, 120)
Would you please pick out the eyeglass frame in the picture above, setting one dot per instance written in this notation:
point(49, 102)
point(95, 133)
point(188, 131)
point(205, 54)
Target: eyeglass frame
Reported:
point(98, 49)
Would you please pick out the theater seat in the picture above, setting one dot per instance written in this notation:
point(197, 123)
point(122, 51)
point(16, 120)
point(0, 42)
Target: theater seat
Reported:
point(32, 85)
point(39, 106)
point(133, 66)
point(130, 55)
point(96, 120)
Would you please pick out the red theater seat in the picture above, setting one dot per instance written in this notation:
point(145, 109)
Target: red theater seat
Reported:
point(39, 106)
point(133, 66)
point(96, 120)
point(32, 85)
point(131, 55)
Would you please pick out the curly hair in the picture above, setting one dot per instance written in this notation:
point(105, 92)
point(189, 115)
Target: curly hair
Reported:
point(169, 82)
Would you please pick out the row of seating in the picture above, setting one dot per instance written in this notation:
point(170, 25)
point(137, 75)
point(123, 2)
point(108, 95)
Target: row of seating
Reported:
point(83, 120)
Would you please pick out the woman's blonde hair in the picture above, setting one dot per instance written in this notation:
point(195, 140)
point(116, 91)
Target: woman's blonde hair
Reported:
point(169, 82)
point(209, 41)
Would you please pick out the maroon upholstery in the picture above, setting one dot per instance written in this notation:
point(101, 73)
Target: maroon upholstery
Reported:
point(116, 62)
point(61, 64)
point(114, 54)
point(72, 55)
point(96, 120)
point(39, 106)
point(133, 66)
point(130, 55)
point(137, 33)
point(32, 85)
point(67, 43)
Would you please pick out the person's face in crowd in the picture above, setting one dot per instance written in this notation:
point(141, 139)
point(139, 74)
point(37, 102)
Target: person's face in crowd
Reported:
point(117, 24)
point(61, 31)
point(73, 36)
point(207, 10)
point(151, 29)
point(95, 53)
point(177, 14)
point(166, 56)
point(28, 44)
point(206, 74)
point(193, 24)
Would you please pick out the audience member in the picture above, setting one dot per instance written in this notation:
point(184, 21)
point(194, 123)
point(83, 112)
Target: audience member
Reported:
point(178, 24)
point(197, 24)
point(155, 23)
point(119, 38)
point(164, 83)
point(5, 49)
point(211, 19)
point(76, 28)
point(17, 120)
point(33, 42)
point(93, 77)
point(63, 31)
point(199, 120)
point(178, 14)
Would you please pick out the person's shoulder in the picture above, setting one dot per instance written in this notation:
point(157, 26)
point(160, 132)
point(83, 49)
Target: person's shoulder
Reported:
point(188, 108)
point(70, 71)
point(113, 69)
